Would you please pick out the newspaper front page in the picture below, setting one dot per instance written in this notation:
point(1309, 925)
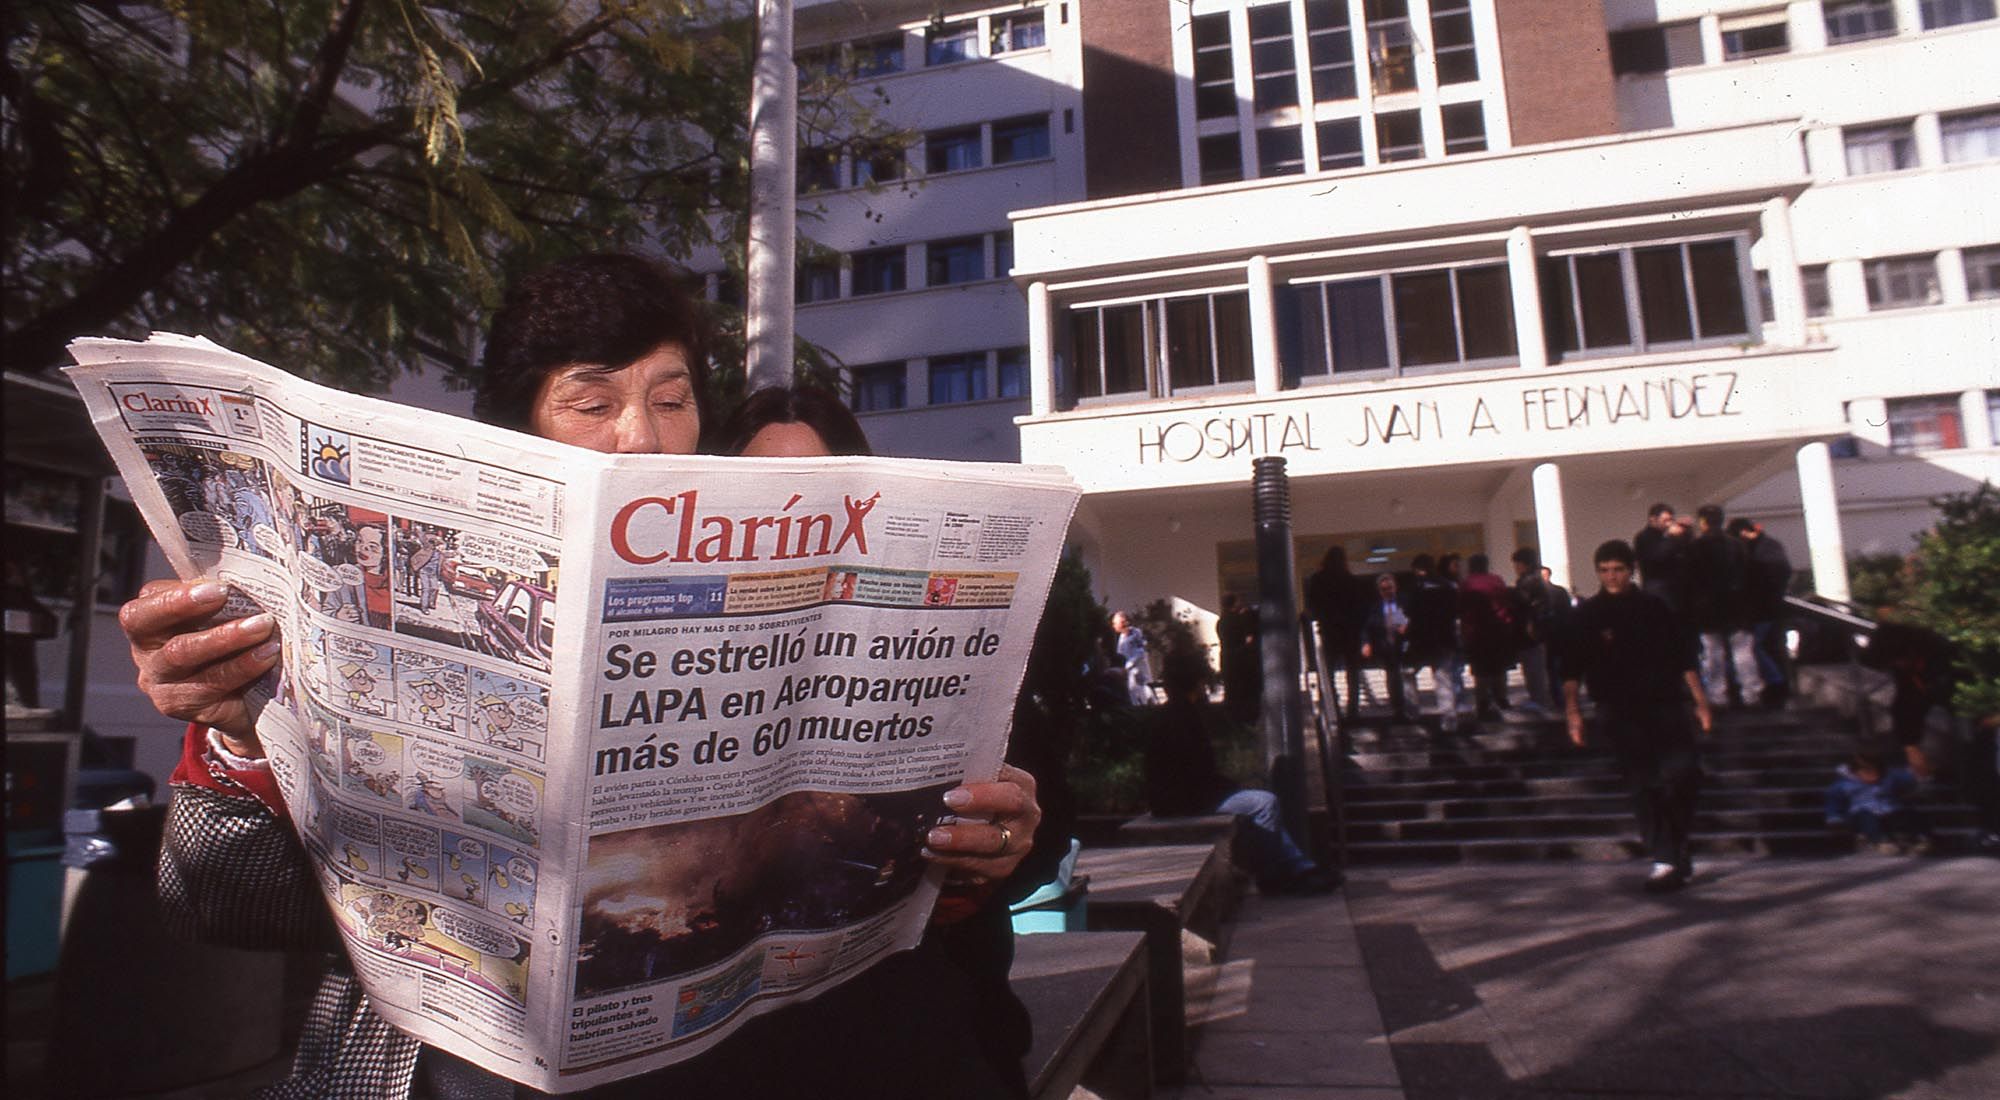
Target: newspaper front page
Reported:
point(596, 756)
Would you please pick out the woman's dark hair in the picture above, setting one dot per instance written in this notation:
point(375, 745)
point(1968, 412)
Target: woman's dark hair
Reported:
point(606, 308)
point(1334, 560)
point(816, 408)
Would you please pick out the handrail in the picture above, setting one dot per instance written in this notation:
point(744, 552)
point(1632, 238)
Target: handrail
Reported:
point(1840, 611)
point(1860, 630)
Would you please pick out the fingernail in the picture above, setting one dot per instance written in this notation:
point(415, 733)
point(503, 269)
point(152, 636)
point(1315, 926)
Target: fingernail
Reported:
point(256, 624)
point(267, 651)
point(938, 838)
point(958, 798)
point(206, 591)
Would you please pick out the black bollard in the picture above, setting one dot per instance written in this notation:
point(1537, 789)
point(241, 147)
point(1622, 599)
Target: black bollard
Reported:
point(1283, 725)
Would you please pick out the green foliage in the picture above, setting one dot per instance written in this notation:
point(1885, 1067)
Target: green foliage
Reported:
point(342, 186)
point(1170, 638)
point(1876, 581)
point(1956, 594)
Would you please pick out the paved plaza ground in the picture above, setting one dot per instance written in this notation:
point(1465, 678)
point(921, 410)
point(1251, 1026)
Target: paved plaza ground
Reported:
point(1854, 977)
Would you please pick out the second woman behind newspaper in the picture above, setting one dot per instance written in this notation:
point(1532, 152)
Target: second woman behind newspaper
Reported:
point(605, 352)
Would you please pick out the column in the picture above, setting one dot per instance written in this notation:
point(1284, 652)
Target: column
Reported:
point(1263, 327)
point(1976, 422)
point(1526, 285)
point(1552, 523)
point(1041, 355)
point(1781, 263)
point(1825, 546)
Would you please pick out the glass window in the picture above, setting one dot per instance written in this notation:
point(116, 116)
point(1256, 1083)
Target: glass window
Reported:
point(1972, 135)
point(1221, 158)
point(1207, 340)
point(1020, 139)
point(1357, 325)
point(1678, 293)
point(819, 63)
point(1982, 273)
point(1819, 302)
point(1993, 415)
point(1127, 349)
point(1214, 68)
point(1003, 253)
point(1885, 148)
point(1331, 48)
point(1399, 135)
point(1485, 312)
point(1925, 424)
point(1853, 20)
point(951, 150)
point(1464, 128)
point(949, 42)
point(819, 281)
point(1451, 41)
point(879, 271)
point(1340, 144)
point(1273, 68)
point(1013, 373)
point(1391, 47)
point(1425, 331)
point(1898, 281)
point(877, 163)
point(819, 169)
point(962, 260)
point(956, 378)
point(879, 387)
point(1280, 152)
point(1656, 49)
point(1950, 13)
point(1017, 31)
point(877, 56)
point(1755, 35)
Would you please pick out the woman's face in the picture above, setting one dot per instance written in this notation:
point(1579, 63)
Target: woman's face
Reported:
point(786, 441)
point(646, 408)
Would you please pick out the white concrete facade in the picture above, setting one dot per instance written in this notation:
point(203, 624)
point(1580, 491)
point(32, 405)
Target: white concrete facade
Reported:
point(991, 76)
point(1824, 193)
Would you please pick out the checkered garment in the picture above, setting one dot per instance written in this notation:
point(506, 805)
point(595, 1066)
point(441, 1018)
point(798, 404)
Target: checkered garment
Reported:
point(232, 874)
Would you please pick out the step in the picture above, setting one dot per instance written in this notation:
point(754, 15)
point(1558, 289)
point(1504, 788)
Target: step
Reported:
point(1813, 842)
point(1707, 820)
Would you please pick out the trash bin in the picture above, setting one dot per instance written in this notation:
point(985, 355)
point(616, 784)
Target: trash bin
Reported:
point(135, 1009)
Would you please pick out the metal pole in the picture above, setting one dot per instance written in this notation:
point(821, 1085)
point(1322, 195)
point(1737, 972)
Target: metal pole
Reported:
point(1278, 625)
point(774, 139)
point(83, 606)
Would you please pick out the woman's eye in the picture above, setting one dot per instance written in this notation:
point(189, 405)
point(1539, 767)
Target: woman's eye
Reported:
point(592, 409)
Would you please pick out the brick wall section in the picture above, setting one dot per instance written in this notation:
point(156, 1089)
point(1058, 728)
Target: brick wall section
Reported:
point(1557, 66)
point(1131, 131)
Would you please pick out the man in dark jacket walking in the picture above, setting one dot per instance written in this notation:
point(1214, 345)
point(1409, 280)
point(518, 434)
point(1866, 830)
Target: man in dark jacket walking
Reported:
point(1487, 624)
point(1662, 549)
point(1765, 582)
point(1638, 658)
point(1338, 600)
point(1433, 635)
point(1717, 569)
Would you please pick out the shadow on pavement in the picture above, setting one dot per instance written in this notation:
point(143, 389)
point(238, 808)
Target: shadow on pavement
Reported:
point(1858, 1051)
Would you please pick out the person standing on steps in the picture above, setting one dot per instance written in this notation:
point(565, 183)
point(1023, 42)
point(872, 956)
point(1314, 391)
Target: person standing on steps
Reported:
point(1638, 658)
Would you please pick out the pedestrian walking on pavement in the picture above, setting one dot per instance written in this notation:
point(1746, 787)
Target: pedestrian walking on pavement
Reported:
point(1637, 658)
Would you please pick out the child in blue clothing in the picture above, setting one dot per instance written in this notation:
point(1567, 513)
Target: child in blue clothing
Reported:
point(1872, 799)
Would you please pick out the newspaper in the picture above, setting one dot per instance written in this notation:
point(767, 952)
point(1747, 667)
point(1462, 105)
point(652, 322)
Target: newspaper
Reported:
point(596, 757)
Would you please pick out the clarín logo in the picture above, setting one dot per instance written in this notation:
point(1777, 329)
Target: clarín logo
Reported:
point(694, 537)
point(139, 401)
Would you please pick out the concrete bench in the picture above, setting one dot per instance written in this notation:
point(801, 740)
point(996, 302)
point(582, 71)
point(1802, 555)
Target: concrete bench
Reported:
point(1203, 829)
point(1086, 993)
point(1159, 891)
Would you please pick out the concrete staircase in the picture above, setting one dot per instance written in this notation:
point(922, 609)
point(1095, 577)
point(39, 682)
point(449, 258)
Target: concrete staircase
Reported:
point(1518, 790)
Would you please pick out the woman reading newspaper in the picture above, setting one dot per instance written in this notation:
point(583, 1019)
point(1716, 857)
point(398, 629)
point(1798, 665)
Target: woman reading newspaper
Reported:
point(604, 352)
